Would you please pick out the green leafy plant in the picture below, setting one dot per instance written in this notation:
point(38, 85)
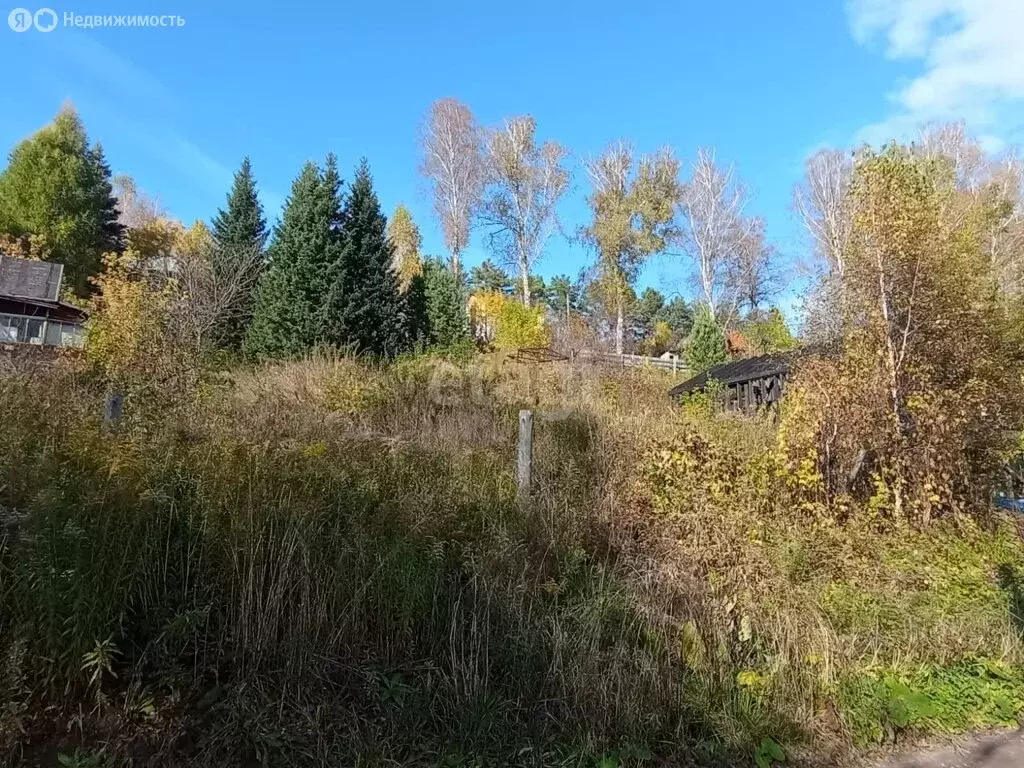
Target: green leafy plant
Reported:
point(79, 759)
point(768, 753)
point(99, 662)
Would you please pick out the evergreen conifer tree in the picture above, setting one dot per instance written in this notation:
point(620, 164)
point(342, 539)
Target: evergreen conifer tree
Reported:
point(290, 308)
point(237, 230)
point(488, 276)
point(706, 347)
point(445, 304)
point(110, 233)
point(417, 316)
point(365, 310)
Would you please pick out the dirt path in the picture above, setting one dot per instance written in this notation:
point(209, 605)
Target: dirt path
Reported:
point(1002, 750)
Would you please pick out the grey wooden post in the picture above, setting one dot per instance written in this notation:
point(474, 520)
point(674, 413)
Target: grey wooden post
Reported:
point(112, 411)
point(524, 457)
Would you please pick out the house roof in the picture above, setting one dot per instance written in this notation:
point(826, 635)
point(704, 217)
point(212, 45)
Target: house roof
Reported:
point(738, 372)
point(36, 284)
point(30, 279)
point(62, 309)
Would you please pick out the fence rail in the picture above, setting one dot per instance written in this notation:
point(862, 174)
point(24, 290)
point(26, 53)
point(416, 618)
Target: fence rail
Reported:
point(634, 361)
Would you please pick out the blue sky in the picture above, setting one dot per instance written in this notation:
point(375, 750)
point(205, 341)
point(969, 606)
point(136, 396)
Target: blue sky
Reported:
point(764, 83)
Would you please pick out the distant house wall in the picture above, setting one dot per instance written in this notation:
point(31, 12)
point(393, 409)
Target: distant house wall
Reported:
point(747, 396)
point(40, 323)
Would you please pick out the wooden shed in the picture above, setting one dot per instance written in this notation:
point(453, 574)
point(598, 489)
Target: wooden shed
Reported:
point(31, 311)
point(748, 383)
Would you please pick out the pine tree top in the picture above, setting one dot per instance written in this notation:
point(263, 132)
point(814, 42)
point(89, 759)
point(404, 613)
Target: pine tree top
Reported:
point(241, 223)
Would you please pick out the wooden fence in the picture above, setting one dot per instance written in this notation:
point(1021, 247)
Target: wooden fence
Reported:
point(634, 361)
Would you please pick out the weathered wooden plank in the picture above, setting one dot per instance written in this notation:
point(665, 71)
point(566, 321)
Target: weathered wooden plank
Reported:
point(524, 457)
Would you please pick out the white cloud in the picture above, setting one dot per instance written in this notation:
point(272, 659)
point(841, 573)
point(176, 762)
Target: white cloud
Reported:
point(972, 54)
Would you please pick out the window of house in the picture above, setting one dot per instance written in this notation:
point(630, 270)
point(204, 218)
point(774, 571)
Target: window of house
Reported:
point(12, 328)
point(53, 330)
point(60, 334)
point(72, 335)
point(33, 330)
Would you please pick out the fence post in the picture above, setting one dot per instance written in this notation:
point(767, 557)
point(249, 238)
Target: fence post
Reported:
point(112, 407)
point(524, 457)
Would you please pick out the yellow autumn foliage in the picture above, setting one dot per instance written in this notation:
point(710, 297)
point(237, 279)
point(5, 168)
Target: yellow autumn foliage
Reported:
point(126, 336)
point(484, 308)
point(506, 323)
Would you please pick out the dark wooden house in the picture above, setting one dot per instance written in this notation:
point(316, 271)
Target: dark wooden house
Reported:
point(747, 384)
point(31, 311)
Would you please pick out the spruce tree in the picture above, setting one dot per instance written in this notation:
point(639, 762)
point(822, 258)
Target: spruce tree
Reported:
point(290, 307)
point(242, 222)
point(237, 230)
point(487, 276)
point(417, 316)
point(445, 304)
point(110, 233)
point(706, 346)
point(57, 186)
point(365, 309)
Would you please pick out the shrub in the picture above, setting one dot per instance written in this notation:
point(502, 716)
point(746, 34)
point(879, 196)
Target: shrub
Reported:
point(521, 326)
point(706, 346)
point(127, 332)
point(507, 324)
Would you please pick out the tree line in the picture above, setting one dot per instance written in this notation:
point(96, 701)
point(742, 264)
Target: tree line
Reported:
point(506, 182)
point(335, 271)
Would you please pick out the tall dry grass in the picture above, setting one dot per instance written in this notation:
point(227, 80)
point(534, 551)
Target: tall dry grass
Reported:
point(323, 562)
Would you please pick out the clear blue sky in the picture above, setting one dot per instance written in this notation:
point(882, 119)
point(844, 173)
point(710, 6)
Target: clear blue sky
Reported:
point(765, 83)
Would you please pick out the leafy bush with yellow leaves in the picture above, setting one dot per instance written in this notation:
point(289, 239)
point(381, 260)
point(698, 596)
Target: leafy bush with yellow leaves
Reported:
point(507, 324)
point(690, 472)
point(520, 326)
point(127, 335)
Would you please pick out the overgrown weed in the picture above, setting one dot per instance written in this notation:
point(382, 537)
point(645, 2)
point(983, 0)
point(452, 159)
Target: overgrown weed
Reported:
point(324, 562)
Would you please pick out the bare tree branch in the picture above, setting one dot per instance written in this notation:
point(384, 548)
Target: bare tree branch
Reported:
point(135, 209)
point(751, 277)
point(822, 201)
point(716, 232)
point(214, 284)
point(451, 161)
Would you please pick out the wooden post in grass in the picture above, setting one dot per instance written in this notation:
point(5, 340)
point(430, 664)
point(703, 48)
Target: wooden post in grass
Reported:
point(112, 408)
point(524, 457)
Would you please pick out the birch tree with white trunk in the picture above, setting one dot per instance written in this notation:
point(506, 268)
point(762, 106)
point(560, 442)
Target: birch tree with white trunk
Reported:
point(715, 232)
point(526, 181)
point(452, 163)
point(822, 201)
